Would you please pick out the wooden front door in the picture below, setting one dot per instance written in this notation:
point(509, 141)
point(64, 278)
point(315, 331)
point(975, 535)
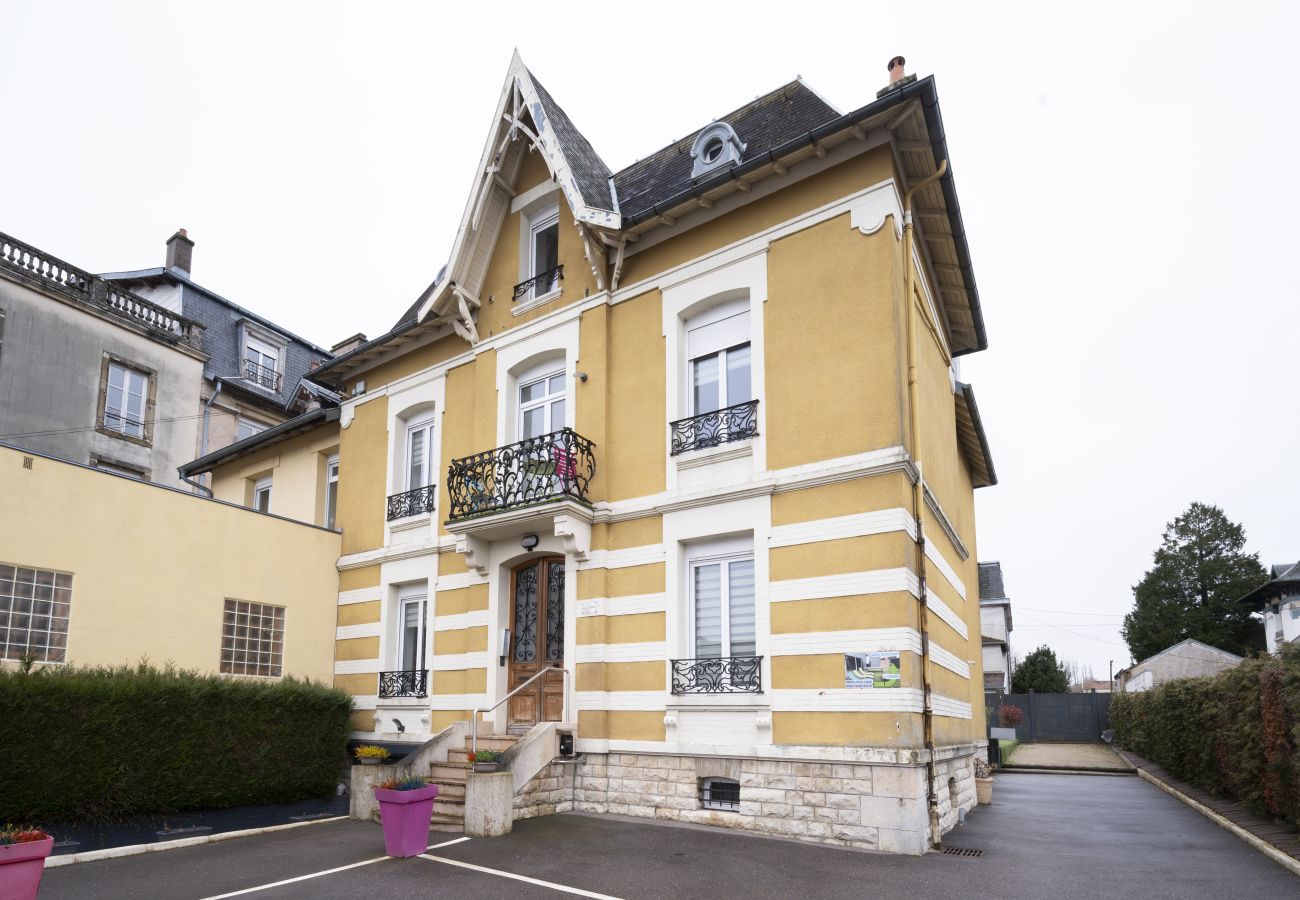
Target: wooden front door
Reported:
point(536, 642)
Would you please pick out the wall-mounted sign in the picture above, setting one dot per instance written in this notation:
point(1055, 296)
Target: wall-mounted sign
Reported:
point(873, 670)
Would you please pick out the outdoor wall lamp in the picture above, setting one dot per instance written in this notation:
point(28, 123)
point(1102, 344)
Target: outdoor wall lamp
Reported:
point(400, 727)
point(529, 542)
point(581, 376)
point(505, 645)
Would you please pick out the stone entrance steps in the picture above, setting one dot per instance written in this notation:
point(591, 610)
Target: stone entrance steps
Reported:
point(449, 807)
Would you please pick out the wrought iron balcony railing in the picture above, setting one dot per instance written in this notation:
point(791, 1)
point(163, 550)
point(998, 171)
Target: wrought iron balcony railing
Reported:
point(405, 683)
point(735, 423)
point(555, 466)
point(262, 375)
point(725, 675)
point(411, 503)
point(55, 274)
point(541, 283)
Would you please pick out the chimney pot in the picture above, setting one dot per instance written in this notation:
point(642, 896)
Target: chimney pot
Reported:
point(180, 252)
point(896, 72)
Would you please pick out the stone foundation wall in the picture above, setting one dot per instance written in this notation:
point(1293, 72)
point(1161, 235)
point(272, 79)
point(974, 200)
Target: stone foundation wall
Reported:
point(867, 806)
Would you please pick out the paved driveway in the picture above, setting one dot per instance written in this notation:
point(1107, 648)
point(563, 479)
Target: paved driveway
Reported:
point(1055, 836)
point(1042, 755)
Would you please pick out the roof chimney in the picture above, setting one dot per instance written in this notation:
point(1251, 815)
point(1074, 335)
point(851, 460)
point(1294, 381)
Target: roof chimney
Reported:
point(348, 344)
point(897, 77)
point(180, 252)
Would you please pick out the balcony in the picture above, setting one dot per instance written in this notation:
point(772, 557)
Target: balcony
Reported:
point(552, 467)
point(262, 376)
point(725, 675)
point(411, 503)
point(405, 683)
point(540, 284)
point(711, 429)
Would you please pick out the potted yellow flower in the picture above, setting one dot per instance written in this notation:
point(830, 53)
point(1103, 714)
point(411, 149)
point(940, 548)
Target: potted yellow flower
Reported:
point(370, 755)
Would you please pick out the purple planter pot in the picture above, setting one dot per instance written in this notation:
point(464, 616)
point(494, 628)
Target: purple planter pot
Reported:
point(21, 866)
point(405, 816)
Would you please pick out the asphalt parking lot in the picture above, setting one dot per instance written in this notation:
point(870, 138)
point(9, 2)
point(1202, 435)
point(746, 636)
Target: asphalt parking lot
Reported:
point(1057, 836)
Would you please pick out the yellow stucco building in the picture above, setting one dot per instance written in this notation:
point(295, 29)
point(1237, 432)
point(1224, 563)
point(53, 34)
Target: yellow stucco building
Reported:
point(692, 438)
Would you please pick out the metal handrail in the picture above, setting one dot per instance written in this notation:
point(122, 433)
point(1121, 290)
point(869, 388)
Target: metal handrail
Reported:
point(474, 715)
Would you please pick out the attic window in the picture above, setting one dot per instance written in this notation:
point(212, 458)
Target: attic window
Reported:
point(716, 147)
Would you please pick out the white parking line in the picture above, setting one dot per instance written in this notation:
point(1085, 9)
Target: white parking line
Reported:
point(547, 884)
point(364, 862)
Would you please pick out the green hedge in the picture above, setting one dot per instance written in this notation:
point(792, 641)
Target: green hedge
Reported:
point(1236, 735)
point(99, 744)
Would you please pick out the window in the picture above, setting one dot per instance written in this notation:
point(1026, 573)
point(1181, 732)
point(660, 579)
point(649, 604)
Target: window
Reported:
point(720, 793)
point(544, 253)
point(414, 611)
point(34, 609)
point(722, 600)
point(419, 454)
point(125, 400)
point(541, 405)
point(252, 639)
point(262, 495)
point(331, 489)
point(717, 350)
point(118, 468)
point(712, 150)
point(246, 428)
point(261, 363)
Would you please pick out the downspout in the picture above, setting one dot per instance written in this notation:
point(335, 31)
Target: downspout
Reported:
point(203, 442)
point(918, 502)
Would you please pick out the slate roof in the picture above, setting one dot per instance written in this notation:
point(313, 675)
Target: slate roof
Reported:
point(589, 170)
point(1285, 580)
point(762, 124)
point(991, 587)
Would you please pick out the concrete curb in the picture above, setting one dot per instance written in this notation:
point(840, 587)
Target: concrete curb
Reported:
point(1286, 862)
point(52, 862)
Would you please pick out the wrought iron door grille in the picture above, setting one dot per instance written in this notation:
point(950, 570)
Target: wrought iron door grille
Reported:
point(719, 675)
point(555, 466)
point(263, 375)
point(710, 429)
point(411, 503)
point(541, 283)
point(405, 683)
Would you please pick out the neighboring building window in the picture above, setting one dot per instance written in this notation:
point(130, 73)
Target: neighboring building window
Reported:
point(246, 428)
point(718, 358)
point(544, 252)
point(262, 495)
point(722, 600)
point(419, 454)
point(35, 605)
point(414, 603)
point(720, 793)
point(262, 363)
point(541, 405)
point(119, 468)
point(252, 639)
point(125, 400)
point(331, 489)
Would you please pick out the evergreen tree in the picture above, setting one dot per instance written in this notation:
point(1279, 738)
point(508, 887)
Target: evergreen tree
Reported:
point(1200, 573)
point(1041, 672)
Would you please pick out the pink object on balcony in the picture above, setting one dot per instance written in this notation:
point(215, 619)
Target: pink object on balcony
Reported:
point(21, 866)
point(405, 816)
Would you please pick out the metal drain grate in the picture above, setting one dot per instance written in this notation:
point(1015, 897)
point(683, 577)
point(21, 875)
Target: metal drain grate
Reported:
point(961, 851)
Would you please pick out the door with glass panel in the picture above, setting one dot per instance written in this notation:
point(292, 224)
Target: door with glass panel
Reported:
point(536, 643)
point(412, 639)
point(722, 621)
point(541, 412)
point(419, 455)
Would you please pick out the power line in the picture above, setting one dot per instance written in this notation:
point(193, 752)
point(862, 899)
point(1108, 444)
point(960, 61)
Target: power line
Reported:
point(1016, 606)
point(24, 434)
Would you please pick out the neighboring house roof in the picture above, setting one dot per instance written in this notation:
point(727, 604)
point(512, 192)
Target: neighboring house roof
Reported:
point(1285, 580)
point(1169, 651)
point(260, 441)
point(991, 587)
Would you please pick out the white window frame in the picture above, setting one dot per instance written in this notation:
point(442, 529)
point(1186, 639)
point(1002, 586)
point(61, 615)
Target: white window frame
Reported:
point(331, 480)
point(417, 595)
point(542, 221)
point(260, 487)
point(721, 553)
point(123, 416)
point(422, 425)
point(542, 375)
point(724, 387)
point(242, 421)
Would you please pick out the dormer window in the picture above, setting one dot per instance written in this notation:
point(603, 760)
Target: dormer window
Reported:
point(716, 147)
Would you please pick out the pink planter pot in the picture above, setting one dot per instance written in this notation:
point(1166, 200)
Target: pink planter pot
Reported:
point(405, 816)
point(21, 866)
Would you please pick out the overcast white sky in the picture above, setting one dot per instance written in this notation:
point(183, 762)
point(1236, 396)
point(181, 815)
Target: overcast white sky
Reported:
point(1127, 179)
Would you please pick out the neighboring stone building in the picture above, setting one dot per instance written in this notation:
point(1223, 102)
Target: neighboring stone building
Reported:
point(1187, 659)
point(93, 373)
point(995, 627)
point(1279, 601)
point(254, 374)
point(650, 452)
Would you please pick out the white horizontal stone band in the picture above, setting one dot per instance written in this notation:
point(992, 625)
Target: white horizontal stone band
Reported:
point(638, 652)
point(454, 662)
point(458, 701)
point(943, 611)
point(949, 661)
point(458, 581)
point(864, 640)
point(952, 709)
point(360, 595)
point(934, 556)
point(622, 700)
point(847, 700)
point(365, 701)
point(475, 619)
point(878, 581)
point(879, 521)
point(368, 629)
point(624, 558)
point(355, 666)
point(623, 606)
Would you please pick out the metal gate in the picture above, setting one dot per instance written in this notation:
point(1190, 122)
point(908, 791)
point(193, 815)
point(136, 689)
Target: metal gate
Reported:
point(1054, 717)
